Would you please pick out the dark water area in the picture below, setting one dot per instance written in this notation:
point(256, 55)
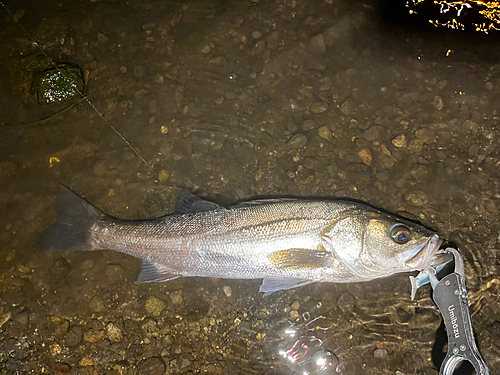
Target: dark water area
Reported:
point(231, 100)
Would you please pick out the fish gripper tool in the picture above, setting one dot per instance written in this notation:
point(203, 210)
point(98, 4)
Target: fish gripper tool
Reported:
point(451, 298)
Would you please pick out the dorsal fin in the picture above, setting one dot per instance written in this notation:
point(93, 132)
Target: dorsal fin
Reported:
point(188, 203)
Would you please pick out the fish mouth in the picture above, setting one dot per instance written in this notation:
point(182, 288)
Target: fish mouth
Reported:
point(423, 255)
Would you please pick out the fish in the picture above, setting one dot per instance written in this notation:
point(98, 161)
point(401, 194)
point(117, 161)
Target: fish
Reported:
point(287, 242)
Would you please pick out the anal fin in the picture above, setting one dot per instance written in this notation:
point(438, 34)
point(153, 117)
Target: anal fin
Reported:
point(155, 272)
point(271, 285)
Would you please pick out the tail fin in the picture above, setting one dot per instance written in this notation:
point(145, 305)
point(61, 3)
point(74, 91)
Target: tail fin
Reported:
point(75, 217)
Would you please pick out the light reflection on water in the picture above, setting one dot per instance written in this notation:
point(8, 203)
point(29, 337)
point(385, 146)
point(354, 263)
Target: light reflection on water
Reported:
point(303, 352)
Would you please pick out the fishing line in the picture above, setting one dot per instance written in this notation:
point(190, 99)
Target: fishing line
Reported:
point(81, 93)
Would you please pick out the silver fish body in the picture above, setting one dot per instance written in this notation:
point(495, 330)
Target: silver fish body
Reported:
point(287, 242)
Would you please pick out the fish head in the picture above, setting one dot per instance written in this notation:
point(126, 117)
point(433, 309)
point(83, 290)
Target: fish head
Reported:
point(381, 245)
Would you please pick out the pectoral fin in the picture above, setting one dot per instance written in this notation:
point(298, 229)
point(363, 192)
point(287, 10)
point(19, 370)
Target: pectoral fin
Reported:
point(296, 259)
point(271, 285)
point(154, 272)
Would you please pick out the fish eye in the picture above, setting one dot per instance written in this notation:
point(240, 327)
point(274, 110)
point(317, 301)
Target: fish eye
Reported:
point(400, 233)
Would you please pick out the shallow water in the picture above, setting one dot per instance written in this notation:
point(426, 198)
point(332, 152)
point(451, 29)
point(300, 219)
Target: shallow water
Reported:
point(232, 100)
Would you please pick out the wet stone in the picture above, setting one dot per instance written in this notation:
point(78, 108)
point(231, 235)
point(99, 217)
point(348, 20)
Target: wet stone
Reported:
point(139, 71)
point(473, 150)
point(141, 93)
point(419, 172)
point(176, 297)
point(61, 368)
point(346, 107)
point(155, 306)
point(227, 291)
point(380, 353)
point(151, 366)
point(273, 40)
point(258, 47)
point(385, 157)
point(399, 140)
point(308, 125)
point(345, 302)
point(97, 305)
point(307, 91)
point(256, 34)
point(206, 49)
point(366, 156)
point(73, 337)
point(310, 163)
point(417, 198)
point(114, 333)
point(93, 335)
point(102, 38)
point(319, 107)
point(318, 43)
point(114, 272)
point(374, 133)
point(325, 133)
point(297, 141)
point(438, 102)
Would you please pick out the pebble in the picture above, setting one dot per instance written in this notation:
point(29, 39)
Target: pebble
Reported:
point(87, 265)
point(155, 306)
point(114, 272)
point(417, 198)
point(61, 368)
point(438, 102)
point(419, 172)
point(385, 157)
point(163, 175)
point(123, 69)
point(345, 302)
point(227, 291)
point(141, 93)
point(139, 71)
point(86, 361)
point(399, 140)
point(319, 107)
point(298, 140)
point(102, 38)
point(473, 150)
point(256, 34)
point(114, 333)
point(176, 297)
point(73, 337)
point(489, 86)
point(374, 133)
point(55, 349)
point(258, 47)
point(273, 40)
point(380, 353)
point(97, 305)
point(318, 44)
point(294, 314)
point(206, 49)
point(310, 163)
point(93, 335)
point(346, 107)
point(307, 91)
point(366, 156)
point(159, 78)
point(308, 125)
point(295, 305)
point(325, 133)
